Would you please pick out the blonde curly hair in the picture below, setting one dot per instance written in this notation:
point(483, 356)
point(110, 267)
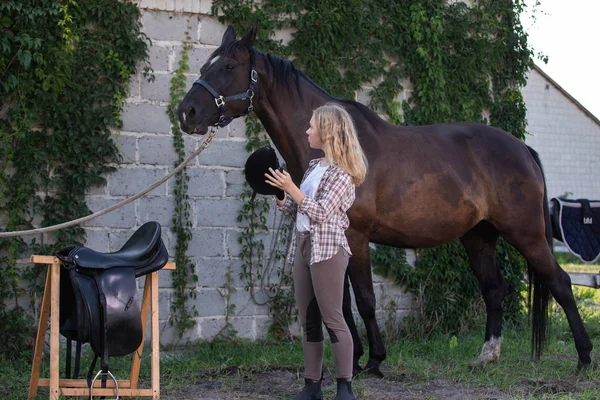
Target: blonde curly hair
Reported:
point(339, 140)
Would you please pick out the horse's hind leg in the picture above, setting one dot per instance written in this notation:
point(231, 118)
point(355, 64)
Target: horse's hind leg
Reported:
point(480, 243)
point(539, 258)
point(359, 271)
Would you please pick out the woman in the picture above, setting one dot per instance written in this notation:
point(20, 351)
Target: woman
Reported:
point(319, 249)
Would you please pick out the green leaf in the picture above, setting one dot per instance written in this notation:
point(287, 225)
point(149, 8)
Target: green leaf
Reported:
point(24, 58)
point(5, 22)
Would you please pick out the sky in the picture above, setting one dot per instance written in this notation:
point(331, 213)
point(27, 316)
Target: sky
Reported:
point(568, 32)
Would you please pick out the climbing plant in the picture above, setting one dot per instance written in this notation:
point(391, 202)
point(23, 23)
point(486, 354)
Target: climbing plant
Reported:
point(64, 72)
point(427, 61)
point(181, 316)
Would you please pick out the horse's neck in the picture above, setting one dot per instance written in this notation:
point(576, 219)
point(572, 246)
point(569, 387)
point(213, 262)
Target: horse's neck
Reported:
point(286, 115)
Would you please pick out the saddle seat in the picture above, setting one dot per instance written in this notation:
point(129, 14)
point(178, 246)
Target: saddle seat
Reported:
point(144, 251)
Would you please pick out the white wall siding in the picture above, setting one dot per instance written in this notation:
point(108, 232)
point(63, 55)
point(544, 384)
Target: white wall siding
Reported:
point(566, 137)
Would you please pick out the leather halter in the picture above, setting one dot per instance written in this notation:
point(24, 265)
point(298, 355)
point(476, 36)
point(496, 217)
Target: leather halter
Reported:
point(220, 101)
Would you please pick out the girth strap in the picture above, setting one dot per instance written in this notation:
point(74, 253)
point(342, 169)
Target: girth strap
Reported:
point(68, 359)
point(77, 360)
point(104, 361)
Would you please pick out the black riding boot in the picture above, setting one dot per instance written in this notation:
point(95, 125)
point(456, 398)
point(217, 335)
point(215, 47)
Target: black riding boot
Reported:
point(311, 391)
point(344, 390)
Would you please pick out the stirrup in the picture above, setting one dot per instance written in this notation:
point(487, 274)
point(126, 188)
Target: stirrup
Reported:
point(107, 373)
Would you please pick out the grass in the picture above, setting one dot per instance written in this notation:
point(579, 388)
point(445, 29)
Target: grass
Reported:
point(438, 358)
point(412, 364)
point(572, 263)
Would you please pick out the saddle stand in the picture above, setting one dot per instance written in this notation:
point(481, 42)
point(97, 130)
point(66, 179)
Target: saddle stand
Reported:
point(143, 254)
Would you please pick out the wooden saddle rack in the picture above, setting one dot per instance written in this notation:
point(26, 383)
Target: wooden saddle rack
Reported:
point(91, 297)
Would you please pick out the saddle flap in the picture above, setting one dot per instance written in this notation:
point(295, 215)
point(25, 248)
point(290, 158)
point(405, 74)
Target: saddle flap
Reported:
point(577, 223)
point(122, 309)
point(107, 305)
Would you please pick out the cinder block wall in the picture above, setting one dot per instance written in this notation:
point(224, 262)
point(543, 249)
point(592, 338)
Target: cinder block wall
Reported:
point(566, 138)
point(216, 181)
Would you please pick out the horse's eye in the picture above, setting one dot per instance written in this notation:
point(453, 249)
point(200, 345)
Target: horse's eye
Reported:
point(230, 66)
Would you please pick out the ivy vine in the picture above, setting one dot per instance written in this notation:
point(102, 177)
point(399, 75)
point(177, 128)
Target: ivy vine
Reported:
point(464, 62)
point(181, 316)
point(64, 73)
point(258, 266)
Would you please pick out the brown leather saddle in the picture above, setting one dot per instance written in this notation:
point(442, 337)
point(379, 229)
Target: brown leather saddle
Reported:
point(98, 297)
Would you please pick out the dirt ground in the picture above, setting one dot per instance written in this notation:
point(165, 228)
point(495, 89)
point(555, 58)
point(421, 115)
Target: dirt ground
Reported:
point(281, 384)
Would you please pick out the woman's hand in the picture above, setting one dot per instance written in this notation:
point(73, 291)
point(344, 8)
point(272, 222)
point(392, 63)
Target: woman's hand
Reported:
point(280, 179)
point(283, 180)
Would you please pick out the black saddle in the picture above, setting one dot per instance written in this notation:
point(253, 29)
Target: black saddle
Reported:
point(98, 296)
point(576, 223)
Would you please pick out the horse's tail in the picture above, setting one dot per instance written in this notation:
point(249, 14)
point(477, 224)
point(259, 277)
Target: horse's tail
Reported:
point(538, 295)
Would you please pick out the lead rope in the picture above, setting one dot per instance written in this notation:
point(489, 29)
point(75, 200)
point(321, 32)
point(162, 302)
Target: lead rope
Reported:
point(115, 206)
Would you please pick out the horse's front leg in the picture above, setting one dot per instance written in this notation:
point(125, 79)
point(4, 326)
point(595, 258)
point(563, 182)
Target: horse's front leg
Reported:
point(359, 271)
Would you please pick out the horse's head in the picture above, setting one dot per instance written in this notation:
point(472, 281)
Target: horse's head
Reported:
point(225, 89)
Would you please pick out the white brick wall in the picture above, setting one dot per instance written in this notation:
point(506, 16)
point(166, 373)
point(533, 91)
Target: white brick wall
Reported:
point(566, 138)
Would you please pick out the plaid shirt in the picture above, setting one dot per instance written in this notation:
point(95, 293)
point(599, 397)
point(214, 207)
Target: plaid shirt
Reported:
point(326, 212)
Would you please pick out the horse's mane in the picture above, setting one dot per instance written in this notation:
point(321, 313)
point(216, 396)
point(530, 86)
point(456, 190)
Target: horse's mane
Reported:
point(286, 74)
point(370, 115)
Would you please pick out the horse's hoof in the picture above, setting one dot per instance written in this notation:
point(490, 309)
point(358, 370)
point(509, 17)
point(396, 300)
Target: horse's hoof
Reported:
point(477, 364)
point(591, 366)
point(375, 372)
point(372, 368)
point(357, 370)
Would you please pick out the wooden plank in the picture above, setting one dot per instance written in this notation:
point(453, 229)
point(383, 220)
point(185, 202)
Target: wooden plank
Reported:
point(105, 392)
point(583, 279)
point(155, 342)
point(137, 356)
point(169, 265)
point(82, 383)
point(39, 341)
point(43, 259)
point(54, 326)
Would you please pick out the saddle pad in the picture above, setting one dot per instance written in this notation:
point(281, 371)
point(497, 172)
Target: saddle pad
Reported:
point(577, 224)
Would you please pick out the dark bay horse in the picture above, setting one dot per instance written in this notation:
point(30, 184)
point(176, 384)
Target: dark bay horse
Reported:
point(426, 186)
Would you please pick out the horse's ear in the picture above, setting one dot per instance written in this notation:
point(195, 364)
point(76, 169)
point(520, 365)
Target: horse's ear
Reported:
point(228, 36)
point(250, 36)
